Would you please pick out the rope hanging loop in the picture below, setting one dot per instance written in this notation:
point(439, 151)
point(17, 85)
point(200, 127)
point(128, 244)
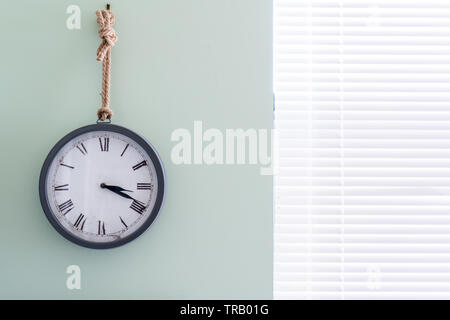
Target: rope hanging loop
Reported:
point(106, 21)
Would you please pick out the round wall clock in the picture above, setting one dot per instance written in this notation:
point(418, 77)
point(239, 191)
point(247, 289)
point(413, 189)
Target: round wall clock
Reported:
point(102, 186)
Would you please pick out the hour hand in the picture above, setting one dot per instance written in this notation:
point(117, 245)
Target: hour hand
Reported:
point(117, 190)
point(114, 188)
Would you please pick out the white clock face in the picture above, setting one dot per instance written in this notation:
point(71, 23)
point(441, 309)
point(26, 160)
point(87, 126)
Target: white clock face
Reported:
point(101, 186)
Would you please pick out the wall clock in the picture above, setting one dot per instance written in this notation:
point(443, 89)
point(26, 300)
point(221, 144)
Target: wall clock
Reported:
point(102, 185)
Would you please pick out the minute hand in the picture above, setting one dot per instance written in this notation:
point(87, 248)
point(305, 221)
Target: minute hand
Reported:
point(117, 190)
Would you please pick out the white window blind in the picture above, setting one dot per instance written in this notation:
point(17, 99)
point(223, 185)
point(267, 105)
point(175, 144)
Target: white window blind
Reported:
point(362, 96)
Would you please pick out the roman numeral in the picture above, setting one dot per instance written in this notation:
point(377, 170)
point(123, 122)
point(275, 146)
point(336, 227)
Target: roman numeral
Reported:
point(101, 228)
point(63, 187)
point(79, 223)
point(144, 186)
point(139, 165)
point(138, 206)
point(123, 222)
point(82, 148)
point(66, 165)
point(126, 147)
point(65, 207)
point(104, 146)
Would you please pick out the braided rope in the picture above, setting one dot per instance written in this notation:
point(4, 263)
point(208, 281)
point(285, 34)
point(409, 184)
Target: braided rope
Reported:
point(105, 20)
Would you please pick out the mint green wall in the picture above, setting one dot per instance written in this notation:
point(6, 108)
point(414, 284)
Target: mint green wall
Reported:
point(176, 61)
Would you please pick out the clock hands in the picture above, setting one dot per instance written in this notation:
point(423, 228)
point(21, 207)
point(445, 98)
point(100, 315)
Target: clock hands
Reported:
point(114, 188)
point(136, 205)
point(117, 190)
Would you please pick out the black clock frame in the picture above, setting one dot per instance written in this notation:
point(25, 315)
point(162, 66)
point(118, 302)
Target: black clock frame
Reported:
point(102, 126)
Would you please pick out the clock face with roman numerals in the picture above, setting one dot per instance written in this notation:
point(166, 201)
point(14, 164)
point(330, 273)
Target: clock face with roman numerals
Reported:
point(102, 186)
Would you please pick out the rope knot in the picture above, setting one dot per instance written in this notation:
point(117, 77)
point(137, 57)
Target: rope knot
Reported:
point(106, 21)
point(104, 113)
